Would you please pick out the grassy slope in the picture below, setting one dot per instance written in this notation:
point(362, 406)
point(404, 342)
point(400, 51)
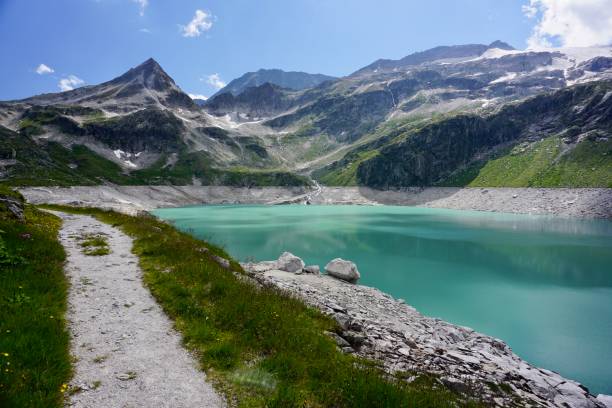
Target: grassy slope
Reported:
point(347, 175)
point(34, 356)
point(261, 347)
point(541, 164)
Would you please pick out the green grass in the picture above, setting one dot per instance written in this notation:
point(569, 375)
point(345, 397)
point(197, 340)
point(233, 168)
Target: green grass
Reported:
point(259, 346)
point(543, 164)
point(94, 245)
point(520, 166)
point(34, 356)
point(347, 174)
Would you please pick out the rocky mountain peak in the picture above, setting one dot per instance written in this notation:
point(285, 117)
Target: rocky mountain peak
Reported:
point(501, 45)
point(148, 74)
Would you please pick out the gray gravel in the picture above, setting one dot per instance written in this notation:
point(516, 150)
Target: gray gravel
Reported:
point(568, 202)
point(127, 353)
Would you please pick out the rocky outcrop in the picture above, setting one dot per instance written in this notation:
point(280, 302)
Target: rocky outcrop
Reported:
point(376, 326)
point(12, 205)
point(344, 270)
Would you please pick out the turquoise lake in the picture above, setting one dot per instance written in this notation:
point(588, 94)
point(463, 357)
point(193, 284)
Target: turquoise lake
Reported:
point(541, 284)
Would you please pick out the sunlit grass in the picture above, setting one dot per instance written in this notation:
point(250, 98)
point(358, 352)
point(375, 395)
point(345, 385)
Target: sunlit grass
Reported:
point(34, 356)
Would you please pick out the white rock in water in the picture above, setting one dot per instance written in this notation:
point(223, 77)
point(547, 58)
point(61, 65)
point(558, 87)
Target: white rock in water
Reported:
point(341, 269)
point(290, 263)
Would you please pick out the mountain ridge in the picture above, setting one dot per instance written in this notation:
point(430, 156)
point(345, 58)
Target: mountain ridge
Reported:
point(144, 124)
point(295, 80)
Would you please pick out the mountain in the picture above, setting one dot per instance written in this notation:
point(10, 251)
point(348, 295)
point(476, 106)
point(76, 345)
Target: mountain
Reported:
point(441, 53)
point(139, 128)
point(146, 85)
point(252, 103)
point(285, 79)
point(447, 116)
point(557, 139)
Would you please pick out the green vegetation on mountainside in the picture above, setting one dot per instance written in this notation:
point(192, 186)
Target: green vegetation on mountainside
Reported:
point(259, 346)
point(344, 171)
point(51, 164)
point(34, 343)
point(546, 163)
point(499, 149)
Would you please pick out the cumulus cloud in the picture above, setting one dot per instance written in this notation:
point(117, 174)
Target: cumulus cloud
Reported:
point(198, 96)
point(202, 21)
point(570, 23)
point(43, 69)
point(215, 80)
point(143, 5)
point(69, 83)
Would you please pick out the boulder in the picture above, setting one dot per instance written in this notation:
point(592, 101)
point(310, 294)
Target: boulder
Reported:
point(341, 269)
point(312, 269)
point(605, 400)
point(289, 263)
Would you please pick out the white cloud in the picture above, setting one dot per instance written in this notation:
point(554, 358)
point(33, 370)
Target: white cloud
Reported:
point(570, 23)
point(143, 5)
point(198, 96)
point(202, 21)
point(215, 80)
point(69, 83)
point(145, 30)
point(43, 69)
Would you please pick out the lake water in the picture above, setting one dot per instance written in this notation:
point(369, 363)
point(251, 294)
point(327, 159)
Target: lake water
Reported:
point(541, 284)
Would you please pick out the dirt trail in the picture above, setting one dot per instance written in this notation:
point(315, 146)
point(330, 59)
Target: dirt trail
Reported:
point(127, 353)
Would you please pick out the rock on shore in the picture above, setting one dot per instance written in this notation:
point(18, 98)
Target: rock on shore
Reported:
point(341, 269)
point(376, 326)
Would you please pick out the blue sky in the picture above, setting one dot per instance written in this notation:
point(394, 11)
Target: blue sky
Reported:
point(91, 41)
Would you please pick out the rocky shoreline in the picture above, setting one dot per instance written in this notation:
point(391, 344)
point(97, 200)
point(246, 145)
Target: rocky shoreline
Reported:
point(376, 326)
point(569, 202)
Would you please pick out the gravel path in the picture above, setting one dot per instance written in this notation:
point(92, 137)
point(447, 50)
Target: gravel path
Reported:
point(127, 353)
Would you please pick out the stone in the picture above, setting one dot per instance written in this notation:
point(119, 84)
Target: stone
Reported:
point(340, 342)
point(355, 339)
point(312, 269)
point(290, 263)
point(342, 269)
point(605, 399)
point(224, 263)
point(259, 267)
point(404, 351)
point(343, 320)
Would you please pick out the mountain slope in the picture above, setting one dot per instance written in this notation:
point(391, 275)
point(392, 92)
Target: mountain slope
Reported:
point(138, 127)
point(431, 55)
point(567, 128)
point(339, 131)
point(284, 79)
point(145, 85)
